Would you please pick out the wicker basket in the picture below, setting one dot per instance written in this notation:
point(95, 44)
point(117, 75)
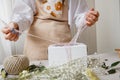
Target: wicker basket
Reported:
point(15, 64)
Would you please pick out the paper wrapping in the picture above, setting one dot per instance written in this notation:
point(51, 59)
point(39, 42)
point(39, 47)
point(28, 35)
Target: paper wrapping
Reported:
point(59, 54)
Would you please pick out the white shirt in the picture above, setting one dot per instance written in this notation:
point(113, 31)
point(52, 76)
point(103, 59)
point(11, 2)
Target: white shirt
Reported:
point(24, 11)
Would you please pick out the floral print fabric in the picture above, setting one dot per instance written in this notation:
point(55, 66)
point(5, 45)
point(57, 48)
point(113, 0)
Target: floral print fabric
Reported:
point(53, 7)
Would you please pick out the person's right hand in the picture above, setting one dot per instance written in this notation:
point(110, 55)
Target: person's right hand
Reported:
point(9, 34)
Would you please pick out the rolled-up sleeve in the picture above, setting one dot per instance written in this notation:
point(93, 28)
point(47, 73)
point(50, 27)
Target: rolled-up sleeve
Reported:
point(77, 11)
point(80, 13)
point(23, 13)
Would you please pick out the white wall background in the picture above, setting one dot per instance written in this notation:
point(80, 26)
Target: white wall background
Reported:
point(108, 27)
point(5, 11)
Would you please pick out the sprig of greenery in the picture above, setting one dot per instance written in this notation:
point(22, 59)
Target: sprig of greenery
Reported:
point(4, 73)
point(111, 69)
point(73, 70)
point(104, 66)
point(33, 68)
point(115, 64)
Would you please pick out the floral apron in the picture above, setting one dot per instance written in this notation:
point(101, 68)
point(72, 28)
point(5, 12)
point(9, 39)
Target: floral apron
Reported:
point(50, 24)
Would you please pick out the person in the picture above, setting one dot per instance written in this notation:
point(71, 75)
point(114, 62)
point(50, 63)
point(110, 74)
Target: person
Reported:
point(48, 19)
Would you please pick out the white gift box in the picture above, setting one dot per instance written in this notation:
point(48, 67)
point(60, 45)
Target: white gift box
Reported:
point(60, 54)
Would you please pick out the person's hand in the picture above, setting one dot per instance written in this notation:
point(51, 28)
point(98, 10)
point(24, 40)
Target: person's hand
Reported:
point(10, 34)
point(91, 17)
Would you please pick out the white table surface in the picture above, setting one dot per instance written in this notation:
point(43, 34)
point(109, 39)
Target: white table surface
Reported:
point(112, 57)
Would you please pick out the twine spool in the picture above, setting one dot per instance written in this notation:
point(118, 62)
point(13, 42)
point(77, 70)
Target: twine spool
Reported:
point(15, 64)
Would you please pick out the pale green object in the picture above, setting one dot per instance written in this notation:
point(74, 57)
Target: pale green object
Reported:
point(91, 74)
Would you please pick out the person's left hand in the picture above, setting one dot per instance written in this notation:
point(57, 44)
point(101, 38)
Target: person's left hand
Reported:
point(91, 17)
